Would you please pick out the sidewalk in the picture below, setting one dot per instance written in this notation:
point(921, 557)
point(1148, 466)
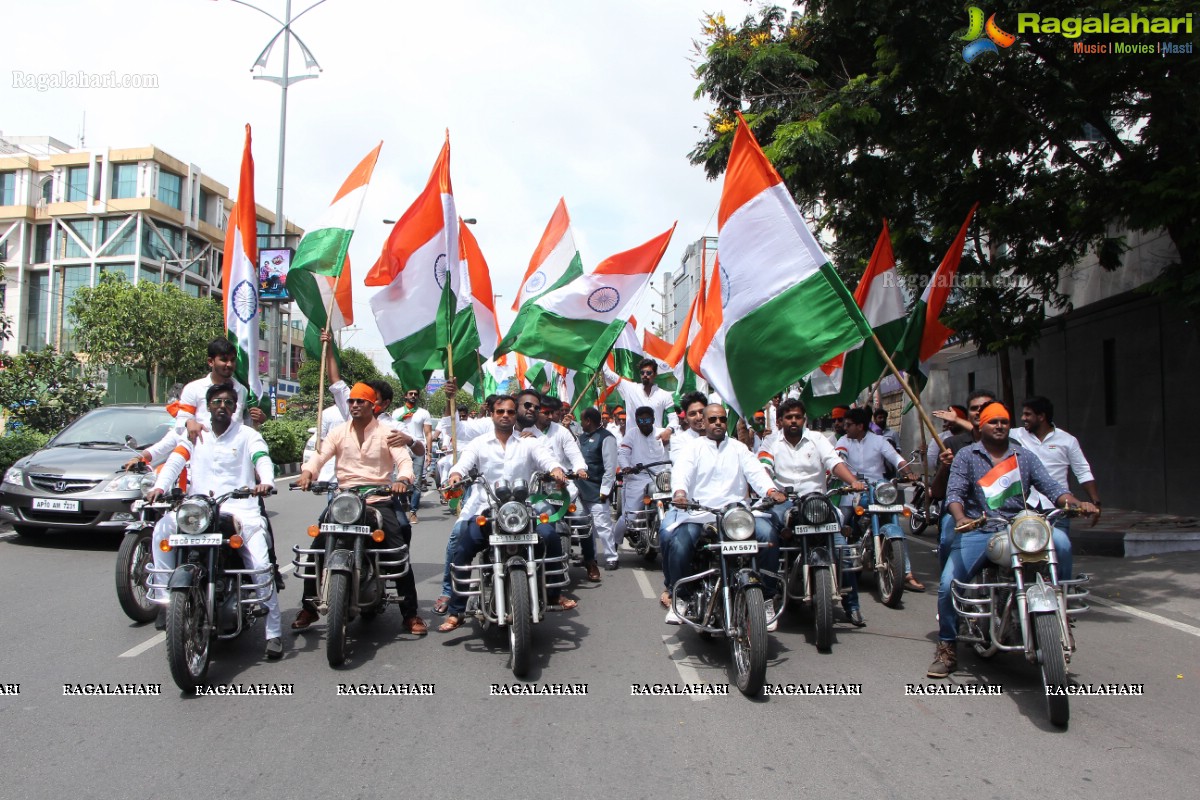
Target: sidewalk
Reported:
point(1135, 533)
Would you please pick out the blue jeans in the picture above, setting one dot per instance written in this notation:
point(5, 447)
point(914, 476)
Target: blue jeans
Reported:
point(451, 546)
point(848, 579)
point(418, 472)
point(945, 538)
point(678, 557)
point(472, 541)
point(967, 555)
point(664, 542)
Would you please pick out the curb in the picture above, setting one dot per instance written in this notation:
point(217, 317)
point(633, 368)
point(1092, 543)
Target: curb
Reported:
point(287, 470)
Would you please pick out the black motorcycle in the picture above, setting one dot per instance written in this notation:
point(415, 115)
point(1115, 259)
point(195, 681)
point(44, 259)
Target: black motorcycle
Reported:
point(135, 557)
point(811, 560)
point(641, 526)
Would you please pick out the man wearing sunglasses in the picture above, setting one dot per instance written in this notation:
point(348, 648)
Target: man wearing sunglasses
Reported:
point(640, 445)
point(714, 472)
point(417, 424)
point(645, 393)
point(968, 433)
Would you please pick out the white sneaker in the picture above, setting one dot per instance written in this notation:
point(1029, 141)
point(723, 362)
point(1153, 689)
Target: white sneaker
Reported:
point(672, 617)
point(769, 607)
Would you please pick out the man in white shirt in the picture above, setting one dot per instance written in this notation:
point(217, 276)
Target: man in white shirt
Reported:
point(415, 421)
point(693, 405)
point(714, 472)
point(641, 445)
point(1059, 453)
point(501, 454)
point(646, 393)
point(193, 412)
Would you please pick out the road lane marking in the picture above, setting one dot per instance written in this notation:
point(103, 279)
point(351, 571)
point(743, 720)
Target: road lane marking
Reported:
point(1146, 615)
point(687, 672)
point(644, 584)
point(9, 535)
point(159, 638)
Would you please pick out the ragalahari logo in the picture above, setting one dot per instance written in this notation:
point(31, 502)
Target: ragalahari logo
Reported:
point(977, 45)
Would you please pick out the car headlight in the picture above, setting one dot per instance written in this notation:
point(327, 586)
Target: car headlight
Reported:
point(886, 494)
point(662, 482)
point(513, 517)
point(193, 517)
point(127, 482)
point(1029, 532)
point(15, 476)
point(739, 524)
point(346, 508)
point(146, 482)
point(815, 510)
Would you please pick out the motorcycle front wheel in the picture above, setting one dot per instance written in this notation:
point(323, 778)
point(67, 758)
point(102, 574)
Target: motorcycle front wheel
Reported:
point(748, 640)
point(188, 638)
point(339, 601)
point(890, 572)
point(132, 560)
point(519, 632)
point(822, 603)
point(1054, 667)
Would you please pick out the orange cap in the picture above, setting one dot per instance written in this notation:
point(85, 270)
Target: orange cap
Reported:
point(993, 410)
point(838, 412)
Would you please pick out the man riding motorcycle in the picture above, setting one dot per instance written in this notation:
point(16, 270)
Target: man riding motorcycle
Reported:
point(641, 445)
point(693, 405)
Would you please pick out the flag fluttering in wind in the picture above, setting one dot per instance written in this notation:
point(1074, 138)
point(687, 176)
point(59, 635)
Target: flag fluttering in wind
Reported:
point(555, 262)
point(239, 279)
point(420, 257)
point(321, 268)
point(837, 382)
point(773, 289)
point(576, 325)
point(474, 328)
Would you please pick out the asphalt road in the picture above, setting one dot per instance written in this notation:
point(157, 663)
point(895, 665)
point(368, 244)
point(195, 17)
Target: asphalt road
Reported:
point(60, 624)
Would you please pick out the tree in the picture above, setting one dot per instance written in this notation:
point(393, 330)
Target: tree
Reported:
point(43, 389)
point(156, 328)
point(869, 110)
point(355, 366)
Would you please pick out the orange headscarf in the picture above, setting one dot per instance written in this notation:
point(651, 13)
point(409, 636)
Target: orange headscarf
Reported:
point(993, 410)
point(361, 391)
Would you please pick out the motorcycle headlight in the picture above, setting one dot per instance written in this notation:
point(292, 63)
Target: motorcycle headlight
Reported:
point(15, 476)
point(503, 490)
point(739, 524)
point(146, 482)
point(1030, 533)
point(815, 510)
point(193, 517)
point(886, 494)
point(513, 517)
point(662, 482)
point(346, 508)
point(520, 490)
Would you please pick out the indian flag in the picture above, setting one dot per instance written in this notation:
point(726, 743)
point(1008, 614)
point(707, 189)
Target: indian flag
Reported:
point(1001, 483)
point(772, 290)
point(555, 262)
point(577, 324)
point(319, 279)
point(421, 254)
point(838, 382)
point(239, 279)
point(659, 349)
point(474, 329)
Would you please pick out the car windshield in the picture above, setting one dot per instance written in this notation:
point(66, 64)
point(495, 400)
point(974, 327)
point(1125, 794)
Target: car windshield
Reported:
point(110, 425)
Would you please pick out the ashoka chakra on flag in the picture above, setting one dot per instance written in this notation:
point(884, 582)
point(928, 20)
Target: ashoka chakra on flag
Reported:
point(245, 301)
point(604, 299)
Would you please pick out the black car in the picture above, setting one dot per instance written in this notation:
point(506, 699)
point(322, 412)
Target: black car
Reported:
point(76, 482)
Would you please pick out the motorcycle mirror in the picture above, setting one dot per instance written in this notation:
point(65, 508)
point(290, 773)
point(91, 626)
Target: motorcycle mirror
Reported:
point(130, 442)
point(520, 490)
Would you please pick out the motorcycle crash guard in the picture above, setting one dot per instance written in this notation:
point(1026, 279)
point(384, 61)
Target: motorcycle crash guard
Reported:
point(1041, 599)
point(185, 576)
point(341, 561)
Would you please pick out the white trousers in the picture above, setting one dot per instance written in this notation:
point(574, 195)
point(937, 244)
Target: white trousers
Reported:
point(631, 500)
point(602, 530)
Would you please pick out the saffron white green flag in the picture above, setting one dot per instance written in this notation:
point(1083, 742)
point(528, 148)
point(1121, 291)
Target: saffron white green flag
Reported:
point(1002, 482)
point(772, 292)
point(555, 262)
point(421, 254)
point(239, 279)
point(576, 325)
point(474, 329)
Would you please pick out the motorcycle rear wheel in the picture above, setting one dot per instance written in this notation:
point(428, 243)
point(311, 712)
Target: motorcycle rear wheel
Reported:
point(339, 602)
point(519, 632)
point(188, 638)
point(890, 573)
point(1054, 667)
point(748, 640)
point(822, 603)
point(132, 560)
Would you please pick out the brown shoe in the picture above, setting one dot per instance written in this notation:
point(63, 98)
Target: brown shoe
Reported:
point(945, 660)
point(593, 571)
point(304, 619)
point(911, 584)
point(416, 626)
point(412, 518)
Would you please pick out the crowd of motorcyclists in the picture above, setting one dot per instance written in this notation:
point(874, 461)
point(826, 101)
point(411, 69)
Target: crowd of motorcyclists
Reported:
point(528, 451)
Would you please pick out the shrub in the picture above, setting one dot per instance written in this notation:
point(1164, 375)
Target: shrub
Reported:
point(285, 439)
point(18, 445)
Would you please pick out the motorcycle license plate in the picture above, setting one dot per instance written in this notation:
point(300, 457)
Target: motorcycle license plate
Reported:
point(877, 509)
point(739, 547)
point(828, 527)
point(512, 538)
point(330, 527)
point(195, 540)
point(54, 504)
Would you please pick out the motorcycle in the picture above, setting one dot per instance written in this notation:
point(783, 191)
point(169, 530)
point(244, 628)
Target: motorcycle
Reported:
point(924, 508)
point(350, 575)
point(878, 542)
point(506, 586)
point(811, 560)
point(208, 599)
point(727, 592)
point(134, 557)
point(1019, 604)
point(641, 527)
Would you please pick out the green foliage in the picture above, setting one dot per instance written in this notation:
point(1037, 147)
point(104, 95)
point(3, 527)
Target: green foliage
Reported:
point(156, 328)
point(356, 366)
point(302, 407)
point(44, 391)
point(438, 402)
point(285, 438)
point(868, 110)
point(19, 444)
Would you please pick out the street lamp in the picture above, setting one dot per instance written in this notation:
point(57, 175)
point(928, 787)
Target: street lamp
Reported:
point(468, 220)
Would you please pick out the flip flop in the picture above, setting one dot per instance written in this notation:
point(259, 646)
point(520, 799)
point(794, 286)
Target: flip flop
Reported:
point(441, 605)
point(563, 604)
point(452, 622)
point(665, 599)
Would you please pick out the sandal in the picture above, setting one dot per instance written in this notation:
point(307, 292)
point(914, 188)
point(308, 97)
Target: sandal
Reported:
point(563, 604)
point(911, 584)
point(452, 622)
point(441, 605)
point(665, 599)
point(416, 626)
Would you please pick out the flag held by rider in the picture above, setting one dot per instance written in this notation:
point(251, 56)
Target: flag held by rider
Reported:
point(239, 276)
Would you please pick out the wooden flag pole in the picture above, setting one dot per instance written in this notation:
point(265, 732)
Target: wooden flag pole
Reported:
point(916, 401)
point(324, 353)
point(583, 392)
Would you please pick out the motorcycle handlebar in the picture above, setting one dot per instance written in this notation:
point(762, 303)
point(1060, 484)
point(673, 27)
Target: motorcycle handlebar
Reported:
point(643, 467)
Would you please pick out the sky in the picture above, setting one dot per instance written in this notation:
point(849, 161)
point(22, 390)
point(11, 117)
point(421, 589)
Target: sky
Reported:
point(543, 99)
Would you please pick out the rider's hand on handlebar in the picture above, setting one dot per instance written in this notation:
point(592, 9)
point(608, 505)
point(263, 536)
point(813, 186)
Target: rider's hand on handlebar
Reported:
point(263, 489)
point(679, 499)
point(968, 524)
point(452, 481)
point(133, 462)
point(581, 474)
point(776, 496)
point(559, 476)
point(154, 495)
point(401, 486)
point(304, 481)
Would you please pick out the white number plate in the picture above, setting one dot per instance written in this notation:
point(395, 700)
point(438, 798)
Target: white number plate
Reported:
point(329, 527)
point(739, 547)
point(198, 540)
point(54, 504)
point(828, 527)
point(513, 538)
point(875, 509)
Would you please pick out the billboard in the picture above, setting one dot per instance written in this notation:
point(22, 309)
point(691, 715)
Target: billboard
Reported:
point(273, 266)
